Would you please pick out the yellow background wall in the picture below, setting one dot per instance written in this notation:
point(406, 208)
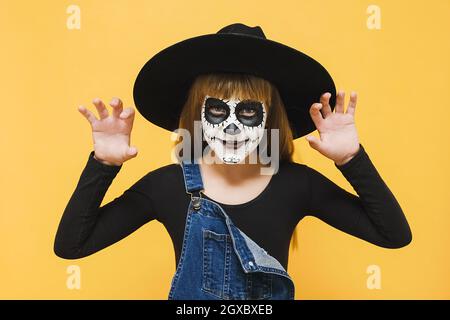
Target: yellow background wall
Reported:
point(401, 74)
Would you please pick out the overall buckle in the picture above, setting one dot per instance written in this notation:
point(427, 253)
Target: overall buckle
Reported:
point(196, 201)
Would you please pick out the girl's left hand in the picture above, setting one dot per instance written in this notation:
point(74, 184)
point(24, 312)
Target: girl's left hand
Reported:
point(338, 137)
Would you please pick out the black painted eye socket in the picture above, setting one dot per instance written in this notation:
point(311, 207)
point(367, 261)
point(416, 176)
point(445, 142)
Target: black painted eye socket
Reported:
point(216, 110)
point(250, 112)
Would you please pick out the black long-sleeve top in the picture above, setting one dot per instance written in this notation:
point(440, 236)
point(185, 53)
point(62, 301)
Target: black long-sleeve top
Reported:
point(294, 192)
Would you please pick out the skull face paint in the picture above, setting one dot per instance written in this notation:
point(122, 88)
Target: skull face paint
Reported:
point(233, 128)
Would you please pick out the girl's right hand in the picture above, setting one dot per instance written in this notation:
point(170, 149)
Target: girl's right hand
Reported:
point(111, 133)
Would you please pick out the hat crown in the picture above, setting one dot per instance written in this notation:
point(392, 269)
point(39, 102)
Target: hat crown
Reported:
point(242, 29)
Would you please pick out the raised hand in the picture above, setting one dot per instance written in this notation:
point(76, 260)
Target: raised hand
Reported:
point(338, 137)
point(111, 133)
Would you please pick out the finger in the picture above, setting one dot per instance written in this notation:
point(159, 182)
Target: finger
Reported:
point(117, 106)
point(340, 102)
point(127, 113)
point(325, 100)
point(314, 142)
point(352, 103)
point(316, 116)
point(132, 151)
point(101, 108)
point(87, 114)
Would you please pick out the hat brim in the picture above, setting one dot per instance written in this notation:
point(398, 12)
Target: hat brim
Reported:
point(162, 85)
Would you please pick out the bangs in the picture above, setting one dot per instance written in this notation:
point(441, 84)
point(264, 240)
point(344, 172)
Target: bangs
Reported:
point(239, 85)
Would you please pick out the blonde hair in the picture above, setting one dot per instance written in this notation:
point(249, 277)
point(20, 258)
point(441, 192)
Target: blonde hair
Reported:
point(244, 86)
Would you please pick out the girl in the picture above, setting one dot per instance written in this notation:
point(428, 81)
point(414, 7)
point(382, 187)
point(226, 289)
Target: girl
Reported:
point(231, 226)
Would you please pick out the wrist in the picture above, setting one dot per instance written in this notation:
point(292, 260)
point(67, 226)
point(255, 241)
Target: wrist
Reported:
point(105, 162)
point(347, 159)
point(342, 162)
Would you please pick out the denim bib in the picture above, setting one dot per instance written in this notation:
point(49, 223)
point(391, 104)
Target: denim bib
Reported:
point(218, 261)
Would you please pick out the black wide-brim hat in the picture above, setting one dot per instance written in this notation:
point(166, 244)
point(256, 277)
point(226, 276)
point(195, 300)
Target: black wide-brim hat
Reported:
point(161, 87)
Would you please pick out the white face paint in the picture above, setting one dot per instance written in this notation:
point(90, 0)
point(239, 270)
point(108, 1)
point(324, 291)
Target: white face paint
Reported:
point(233, 128)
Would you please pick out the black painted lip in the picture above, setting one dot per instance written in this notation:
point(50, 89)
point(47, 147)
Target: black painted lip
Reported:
point(235, 141)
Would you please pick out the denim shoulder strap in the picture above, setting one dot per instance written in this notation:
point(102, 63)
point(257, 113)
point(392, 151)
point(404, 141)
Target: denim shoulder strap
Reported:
point(192, 177)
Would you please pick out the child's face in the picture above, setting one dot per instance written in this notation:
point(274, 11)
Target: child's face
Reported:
point(232, 127)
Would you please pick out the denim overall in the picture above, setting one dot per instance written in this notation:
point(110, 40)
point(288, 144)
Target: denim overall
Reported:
point(218, 261)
